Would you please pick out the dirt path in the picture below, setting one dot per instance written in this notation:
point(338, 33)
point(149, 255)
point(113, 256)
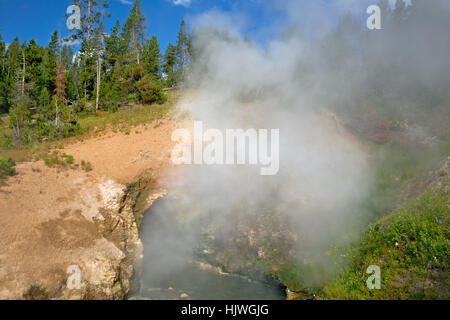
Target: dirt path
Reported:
point(54, 218)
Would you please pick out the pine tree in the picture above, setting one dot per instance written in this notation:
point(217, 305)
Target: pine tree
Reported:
point(134, 30)
point(114, 50)
point(2, 58)
point(114, 46)
point(19, 112)
point(34, 56)
point(51, 61)
point(169, 64)
point(67, 59)
point(5, 86)
point(152, 58)
point(20, 116)
point(183, 48)
point(170, 58)
point(91, 36)
point(111, 93)
point(93, 12)
point(67, 56)
point(44, 102)
point(59, 97)
point(13, 59)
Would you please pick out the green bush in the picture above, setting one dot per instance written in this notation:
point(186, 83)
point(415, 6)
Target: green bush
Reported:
point(6, 168)
point(81, 105)
point(162, 98)
point(150, 92)
point(133, 98)
point(110, 98)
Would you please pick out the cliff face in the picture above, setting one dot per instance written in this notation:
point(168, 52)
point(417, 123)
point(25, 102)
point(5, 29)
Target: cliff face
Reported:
point(109, 273)
point(60, 225)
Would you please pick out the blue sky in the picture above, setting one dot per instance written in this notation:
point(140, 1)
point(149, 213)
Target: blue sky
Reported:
point(37, 19)
point(261, 20)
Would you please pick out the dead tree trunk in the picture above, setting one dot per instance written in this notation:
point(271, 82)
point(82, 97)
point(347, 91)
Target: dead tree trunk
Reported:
point(89, 22)
point(98, 82)
point(23, 74)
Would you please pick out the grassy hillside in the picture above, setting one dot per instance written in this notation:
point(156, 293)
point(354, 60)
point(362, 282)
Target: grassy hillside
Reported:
point(412, 248)
point(123, 120)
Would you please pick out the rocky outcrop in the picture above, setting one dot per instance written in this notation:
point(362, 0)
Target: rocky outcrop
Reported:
point(110, 271)
point(66, 235)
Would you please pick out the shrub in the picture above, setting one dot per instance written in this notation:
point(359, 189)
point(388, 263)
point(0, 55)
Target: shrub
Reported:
point(81, 105)
point(6, 168)
point(86, 166)
point(36, 293)
point(150, 92)
point(56, 160)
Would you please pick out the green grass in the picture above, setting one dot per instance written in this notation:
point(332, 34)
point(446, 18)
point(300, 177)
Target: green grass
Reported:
point(395, 166)
point(55, 159)
point(412, 248)
point(126, 117)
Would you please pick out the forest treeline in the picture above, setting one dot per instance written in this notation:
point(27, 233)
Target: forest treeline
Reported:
point(380, 81)
point(44, 89)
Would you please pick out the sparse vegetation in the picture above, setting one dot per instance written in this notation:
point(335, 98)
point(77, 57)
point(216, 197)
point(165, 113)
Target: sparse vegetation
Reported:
point(36, 293)
point(55, 159)
point(123, 120)
point(6, 168)
point(86, 166)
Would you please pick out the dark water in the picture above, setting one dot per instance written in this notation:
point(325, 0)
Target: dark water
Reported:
point(192, 283)
point(167, 274)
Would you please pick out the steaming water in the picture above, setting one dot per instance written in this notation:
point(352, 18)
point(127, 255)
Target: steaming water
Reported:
point(167, 274)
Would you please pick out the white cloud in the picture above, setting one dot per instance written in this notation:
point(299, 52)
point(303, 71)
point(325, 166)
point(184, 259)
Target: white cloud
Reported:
point(72, 42)
point(126, 2)
point(184, 3)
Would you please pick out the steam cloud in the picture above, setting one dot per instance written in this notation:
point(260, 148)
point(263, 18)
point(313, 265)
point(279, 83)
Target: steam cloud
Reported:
point(292, 85)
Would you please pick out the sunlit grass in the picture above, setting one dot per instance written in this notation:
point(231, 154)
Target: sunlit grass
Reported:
point(412, 248)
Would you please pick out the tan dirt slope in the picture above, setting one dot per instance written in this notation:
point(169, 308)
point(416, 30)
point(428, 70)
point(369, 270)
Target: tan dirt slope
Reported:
point(52, 218)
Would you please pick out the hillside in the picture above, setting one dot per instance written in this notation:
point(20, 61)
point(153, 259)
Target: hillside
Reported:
point(410, 245)
point(72, 206)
